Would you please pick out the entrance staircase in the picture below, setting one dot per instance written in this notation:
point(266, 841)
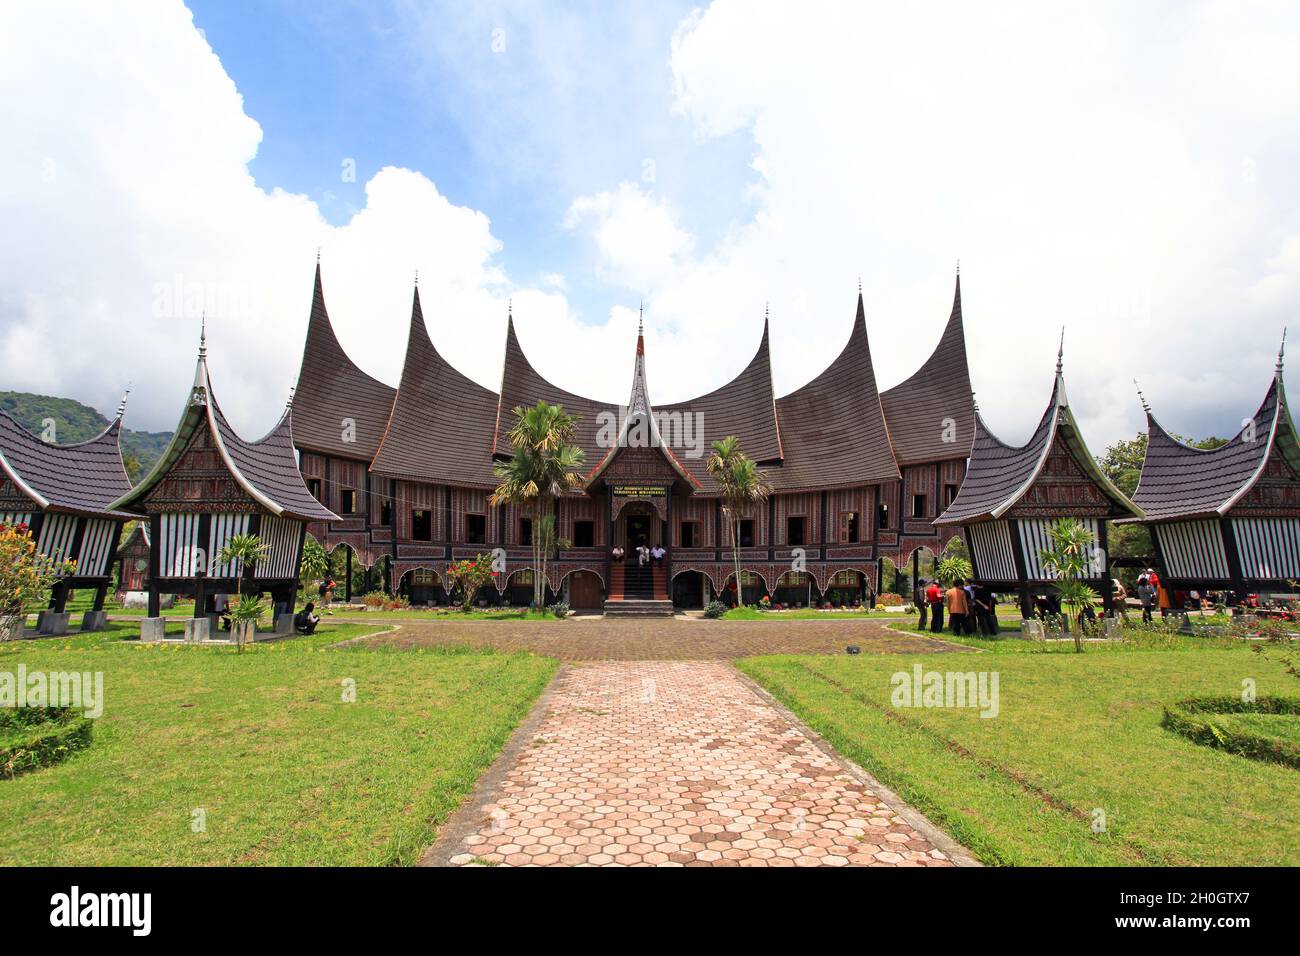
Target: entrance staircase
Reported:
point(637, 590)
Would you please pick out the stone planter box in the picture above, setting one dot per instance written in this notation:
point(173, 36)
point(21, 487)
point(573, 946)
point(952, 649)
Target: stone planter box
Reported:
point(244, 632)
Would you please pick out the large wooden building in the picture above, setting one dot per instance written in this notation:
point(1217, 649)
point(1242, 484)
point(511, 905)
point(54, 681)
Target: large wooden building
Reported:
point(858, 476)
point(65, 496)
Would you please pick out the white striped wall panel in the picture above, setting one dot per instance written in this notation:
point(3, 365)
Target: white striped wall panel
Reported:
point(991, 547)
point(279, 538)
point(57, 533)
point(96, 546)
point(180, 553)
point(1269, 548)
point(1034, 539)
point(1193, 549)
point(222, 528)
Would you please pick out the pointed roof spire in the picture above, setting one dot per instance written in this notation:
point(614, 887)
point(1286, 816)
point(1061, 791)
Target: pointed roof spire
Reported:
point(318, 255)
point(510, 308)
point(1142, 398)
point(1281, 353)
point(974, 402)
point(959, 268)
point(289, 403)
point(121, 406)
point(640, 341)
point(203, 335)
point(1060, 352)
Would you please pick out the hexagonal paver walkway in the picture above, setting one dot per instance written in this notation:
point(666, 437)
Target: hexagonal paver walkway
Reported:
point(677, 763)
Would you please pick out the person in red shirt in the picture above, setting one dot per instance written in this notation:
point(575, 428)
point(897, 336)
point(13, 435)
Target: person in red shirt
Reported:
point(934, 598)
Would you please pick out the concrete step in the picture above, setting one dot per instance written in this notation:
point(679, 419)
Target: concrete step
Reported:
point(638, 607)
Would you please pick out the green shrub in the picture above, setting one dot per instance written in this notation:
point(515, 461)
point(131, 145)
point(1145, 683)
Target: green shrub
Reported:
point(715, 609)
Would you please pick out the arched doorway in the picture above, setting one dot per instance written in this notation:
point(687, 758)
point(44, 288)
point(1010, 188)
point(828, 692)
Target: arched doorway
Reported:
point(753, 588)
point(689, 589)
point(795, 589)
point(586, 592)
point(422, 587)
point(846, 588)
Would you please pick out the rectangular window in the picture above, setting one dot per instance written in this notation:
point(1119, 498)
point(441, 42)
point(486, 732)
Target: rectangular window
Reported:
point(918, 506)
point(385, 512)
point(690, 534)
point(882, 515)
point(348, 501)
point(526, 531)
point(584, 534)
point(746, 532)
point(421, 525)
point(949, 494)
point(794, 530)
point(848, 527)
point(314, 485)
point(476, 529)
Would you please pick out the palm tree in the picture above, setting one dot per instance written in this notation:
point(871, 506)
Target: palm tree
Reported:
point(544, 466)
point(240, 552)
point(1070, 560)
point(740, 484)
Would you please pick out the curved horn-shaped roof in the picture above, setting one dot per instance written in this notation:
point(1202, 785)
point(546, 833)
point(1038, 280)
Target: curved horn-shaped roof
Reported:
point(442, 422)
point(919, 408)
point(998, 475)
point(522, 386)
point(83, 478)
point(332, 389)
point(1180, 481)
point(833, 429)
point(266, 469)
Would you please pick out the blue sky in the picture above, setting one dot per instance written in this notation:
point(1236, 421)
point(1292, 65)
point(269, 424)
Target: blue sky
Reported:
point(358, 81)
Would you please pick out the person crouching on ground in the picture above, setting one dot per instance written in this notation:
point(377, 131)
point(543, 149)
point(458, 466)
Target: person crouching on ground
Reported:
point(305, 621)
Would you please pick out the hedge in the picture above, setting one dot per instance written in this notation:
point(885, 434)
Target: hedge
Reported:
point(1187, 717)
point(34, 737)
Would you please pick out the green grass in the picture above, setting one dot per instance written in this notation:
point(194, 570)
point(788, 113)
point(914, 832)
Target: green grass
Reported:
point(1075, 733)
point(262, 742)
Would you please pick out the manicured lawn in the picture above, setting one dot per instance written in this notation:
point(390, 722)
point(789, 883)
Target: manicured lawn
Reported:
point(1075, 733)
point(285, 771)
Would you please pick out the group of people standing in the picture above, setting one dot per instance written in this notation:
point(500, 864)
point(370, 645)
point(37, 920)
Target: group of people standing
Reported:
point(971, 608)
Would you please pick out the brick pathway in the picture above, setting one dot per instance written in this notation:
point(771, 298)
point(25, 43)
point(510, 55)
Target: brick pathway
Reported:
point(678, 763)
point(662, 639)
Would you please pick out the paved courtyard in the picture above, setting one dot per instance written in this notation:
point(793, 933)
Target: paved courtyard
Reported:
point(664, 639)
point(678, 763)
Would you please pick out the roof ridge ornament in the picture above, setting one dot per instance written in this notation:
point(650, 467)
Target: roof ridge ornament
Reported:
point(289, 403)
point(121, 406)
point(640, 322)
point(203, 335)
point(1142, 398)
point(1060, 352)
point(1281, 352)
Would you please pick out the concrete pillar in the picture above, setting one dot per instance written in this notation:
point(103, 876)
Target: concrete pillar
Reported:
point(153, 628)
point(197, 629)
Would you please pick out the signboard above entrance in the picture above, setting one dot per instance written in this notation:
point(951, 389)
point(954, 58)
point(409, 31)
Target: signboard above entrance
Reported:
point(639, 491)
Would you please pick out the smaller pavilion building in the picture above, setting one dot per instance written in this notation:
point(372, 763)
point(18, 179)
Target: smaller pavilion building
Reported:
point(65, 496)
point(1012, 496)
point(210, 485)
point(1227, 518)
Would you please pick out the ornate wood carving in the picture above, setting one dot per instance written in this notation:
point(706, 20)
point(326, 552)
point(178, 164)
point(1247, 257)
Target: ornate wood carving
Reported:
point(200, 481)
